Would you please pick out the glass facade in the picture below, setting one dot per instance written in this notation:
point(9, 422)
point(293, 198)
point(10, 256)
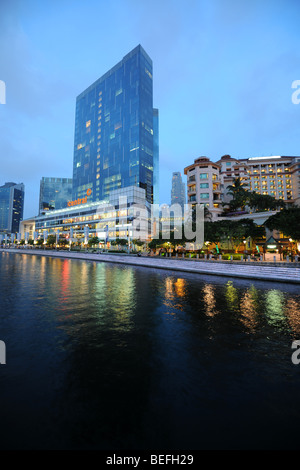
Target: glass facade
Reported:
point(155, 156)
point(4, 208)
point(178, 190)
point(17, 209)
point(114, 216)
point(113, 144)
point(11, 207)
point(54, 193)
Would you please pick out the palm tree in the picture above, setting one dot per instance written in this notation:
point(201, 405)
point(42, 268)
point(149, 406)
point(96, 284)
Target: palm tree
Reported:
point(238, 193)
point(207, 214)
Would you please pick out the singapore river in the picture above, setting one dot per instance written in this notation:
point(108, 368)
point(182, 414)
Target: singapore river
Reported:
point(102, 356)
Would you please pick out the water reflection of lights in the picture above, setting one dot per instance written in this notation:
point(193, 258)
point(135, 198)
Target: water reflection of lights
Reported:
point(42, 268)
point(274, 305)
point(292, 311)
point(175, 288)
point(120, 296)
point(180, 287)
point(231, 295)
point(169, 294)
point(174, 291)
point(209, 300)
point(249, 308)
point(65, 277)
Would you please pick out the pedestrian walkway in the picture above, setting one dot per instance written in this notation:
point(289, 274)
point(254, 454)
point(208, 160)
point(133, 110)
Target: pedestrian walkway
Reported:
point(277, 273)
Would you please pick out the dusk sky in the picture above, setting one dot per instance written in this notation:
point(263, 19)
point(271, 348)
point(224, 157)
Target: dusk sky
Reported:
point(223, 73)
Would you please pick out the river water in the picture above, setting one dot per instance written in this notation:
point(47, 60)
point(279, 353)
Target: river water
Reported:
point(106, 356)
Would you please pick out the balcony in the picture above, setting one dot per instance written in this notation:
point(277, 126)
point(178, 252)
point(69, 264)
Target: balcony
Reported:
point(191, 180)
point(191, 190)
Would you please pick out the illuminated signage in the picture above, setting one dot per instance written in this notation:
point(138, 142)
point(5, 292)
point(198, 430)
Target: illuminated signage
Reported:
point(80, 200)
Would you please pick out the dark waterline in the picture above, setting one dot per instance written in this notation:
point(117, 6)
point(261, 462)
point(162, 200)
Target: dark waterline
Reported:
point(103, 356)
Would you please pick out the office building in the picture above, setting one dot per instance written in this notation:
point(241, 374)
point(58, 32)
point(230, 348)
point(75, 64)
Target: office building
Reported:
point(178, 190)
point(108, 219)
point(155, 156)
point(116, 131)
point(11, 207)
point(54, 193)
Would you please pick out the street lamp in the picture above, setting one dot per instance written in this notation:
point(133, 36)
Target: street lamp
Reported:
point(291, 243)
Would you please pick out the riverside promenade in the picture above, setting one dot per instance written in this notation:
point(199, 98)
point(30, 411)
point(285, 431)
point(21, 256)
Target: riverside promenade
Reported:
point(278, 272)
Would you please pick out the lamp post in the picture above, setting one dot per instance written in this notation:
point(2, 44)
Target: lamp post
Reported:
point(291, 243)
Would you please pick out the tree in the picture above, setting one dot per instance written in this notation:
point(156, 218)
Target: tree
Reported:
point(241, 198)
point(175, 239)
point(93, 241)
point(51, 240)
point(119, 242)
point(207, 215)
point(155, 243)
point(238, 193)
point(286, 221)
point(232, 231)
point(263, 202)
point(138, 242)
point(252, 230)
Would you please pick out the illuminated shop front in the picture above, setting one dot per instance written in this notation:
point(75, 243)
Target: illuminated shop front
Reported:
point(106, 220)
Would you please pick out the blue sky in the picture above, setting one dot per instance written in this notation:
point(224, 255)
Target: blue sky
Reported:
point(223, 71)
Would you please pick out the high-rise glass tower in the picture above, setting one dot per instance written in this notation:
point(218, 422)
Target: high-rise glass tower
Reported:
point(54, 193)
point(178, 190)
point(114, 131)
point(155, 157)
point(11, 207)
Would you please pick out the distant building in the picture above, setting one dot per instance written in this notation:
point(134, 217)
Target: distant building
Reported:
point(11, 207)
point(178, 190)
point(115, 144)
point(54, 193)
